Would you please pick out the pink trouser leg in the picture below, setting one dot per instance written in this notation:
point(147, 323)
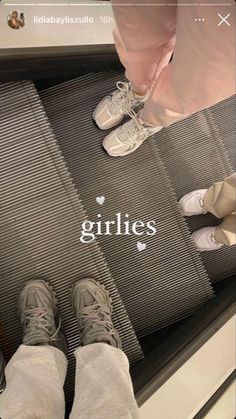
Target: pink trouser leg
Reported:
point(144, 39)
point(202, 71)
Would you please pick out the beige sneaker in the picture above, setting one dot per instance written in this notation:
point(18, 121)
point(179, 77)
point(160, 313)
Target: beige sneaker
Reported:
point(204, 239)
point(192, 203)
point(128, 137)
point(112, 109)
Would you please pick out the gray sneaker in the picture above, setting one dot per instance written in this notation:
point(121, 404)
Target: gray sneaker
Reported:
point(2, 376)
point(37, 306)
point(92, 306)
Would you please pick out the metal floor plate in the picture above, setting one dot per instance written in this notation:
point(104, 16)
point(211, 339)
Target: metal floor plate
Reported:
point(40, 224)
point(167, 281)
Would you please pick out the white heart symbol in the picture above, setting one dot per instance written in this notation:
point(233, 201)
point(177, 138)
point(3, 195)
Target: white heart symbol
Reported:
point(141, 246)
point(100, 200)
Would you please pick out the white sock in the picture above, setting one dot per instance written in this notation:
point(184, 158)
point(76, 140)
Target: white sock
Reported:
point(141, 98)
point(138, 97)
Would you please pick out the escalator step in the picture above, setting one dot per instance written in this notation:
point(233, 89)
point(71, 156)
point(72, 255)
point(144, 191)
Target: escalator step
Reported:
point(165, 282)
point(40, 224)
point(198, 152)
point(223, 116)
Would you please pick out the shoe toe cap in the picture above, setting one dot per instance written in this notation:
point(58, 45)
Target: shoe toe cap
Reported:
point(112, 145)
point(203, 239)
point(103, 118)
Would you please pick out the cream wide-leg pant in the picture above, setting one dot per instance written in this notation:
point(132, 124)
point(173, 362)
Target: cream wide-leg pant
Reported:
point(35, 377)
point(202, 71)
point(220, 200)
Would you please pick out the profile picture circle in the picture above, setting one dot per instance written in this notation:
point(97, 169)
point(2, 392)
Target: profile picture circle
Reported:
point(16, 20)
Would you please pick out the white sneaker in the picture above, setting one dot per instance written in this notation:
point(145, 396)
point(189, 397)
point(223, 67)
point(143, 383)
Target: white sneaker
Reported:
point(192, 203)
point(112, 109)
point(128, 137)
point(204, 239)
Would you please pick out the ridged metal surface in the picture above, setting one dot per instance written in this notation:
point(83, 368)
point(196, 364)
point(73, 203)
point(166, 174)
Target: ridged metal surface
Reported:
point(40, 224)
point(224, 119)
point(198, 152)
point(167, 281)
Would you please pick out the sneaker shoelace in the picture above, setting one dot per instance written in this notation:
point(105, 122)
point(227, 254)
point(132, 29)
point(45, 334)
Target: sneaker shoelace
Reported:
point(129, 132)
point(36, 318)
point(95, 313)
point(122, 98)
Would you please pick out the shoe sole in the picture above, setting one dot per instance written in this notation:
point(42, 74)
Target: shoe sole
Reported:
point(111, 155)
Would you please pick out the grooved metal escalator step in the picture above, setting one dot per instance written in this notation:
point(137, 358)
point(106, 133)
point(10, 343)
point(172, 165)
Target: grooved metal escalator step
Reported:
point(223, 117)
point(197, 152)
point(40, 224)
point(166, 281)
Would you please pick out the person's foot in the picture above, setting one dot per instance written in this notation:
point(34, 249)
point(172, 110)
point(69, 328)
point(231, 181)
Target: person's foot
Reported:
point(112, 109)
point(128, 137)
point(2, 376)
point(37, 307)
point(92, 307)
point(204, 239)
point(192, 203)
